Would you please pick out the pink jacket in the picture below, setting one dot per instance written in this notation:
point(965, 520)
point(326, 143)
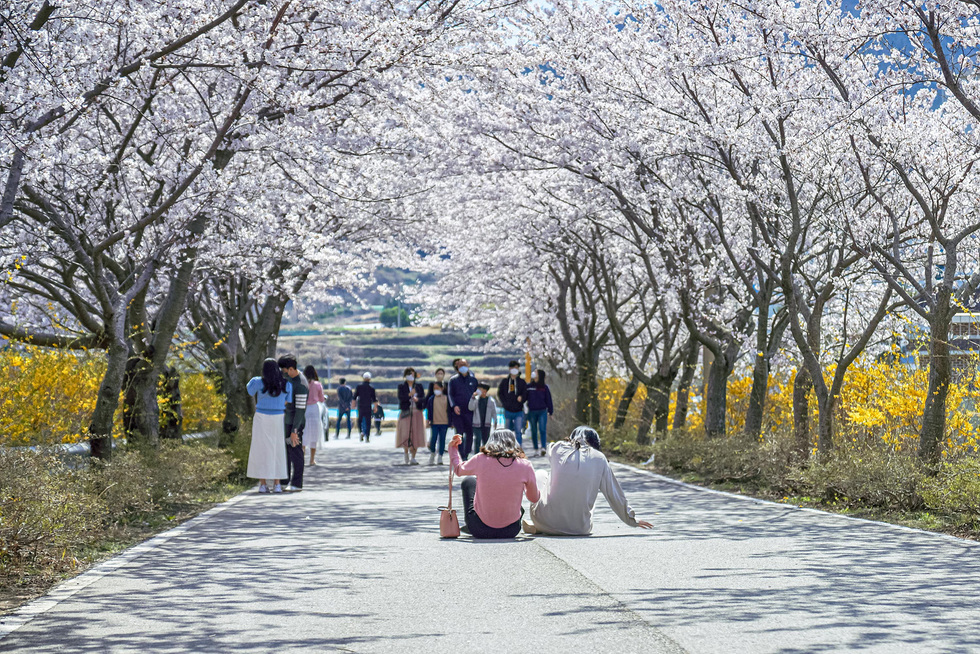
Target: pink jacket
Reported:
point(500, 484)
point(316, 393)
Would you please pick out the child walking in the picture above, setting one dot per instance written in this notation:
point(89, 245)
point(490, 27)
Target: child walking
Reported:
point(484, 409)
point(378, 413)
point(437, 415)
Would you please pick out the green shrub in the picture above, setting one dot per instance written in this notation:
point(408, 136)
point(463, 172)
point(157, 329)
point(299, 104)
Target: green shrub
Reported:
point(46, 516)
point(50, 512)
point(868, 475)
point(955, 488)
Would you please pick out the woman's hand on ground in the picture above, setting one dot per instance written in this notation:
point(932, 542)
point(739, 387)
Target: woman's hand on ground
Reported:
point(643, 524)
point(457, 439)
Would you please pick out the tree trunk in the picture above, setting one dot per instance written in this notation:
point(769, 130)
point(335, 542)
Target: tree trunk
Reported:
point(622, 409)
point(716, 398)
point(100, 429)
point(656, 409)
point(141, 411)
point(647, 416)
point(586, 404)
point(755, 412)
point(933, 431)
point(171, 419)
point(684, 387)
point(825, 420)
point(802, 384)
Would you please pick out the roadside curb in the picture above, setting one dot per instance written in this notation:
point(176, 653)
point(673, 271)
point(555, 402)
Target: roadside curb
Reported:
point(791, 507)
point(18, 618)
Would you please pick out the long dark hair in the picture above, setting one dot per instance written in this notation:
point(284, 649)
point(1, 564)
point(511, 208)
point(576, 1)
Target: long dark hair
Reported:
point(539, 382)
point(273, 383)
point(310, 373)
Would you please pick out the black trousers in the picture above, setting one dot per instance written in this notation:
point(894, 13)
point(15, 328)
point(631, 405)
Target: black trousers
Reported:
point(473, 522)
point(463, 424)
point(294, 464)
point(480, 437)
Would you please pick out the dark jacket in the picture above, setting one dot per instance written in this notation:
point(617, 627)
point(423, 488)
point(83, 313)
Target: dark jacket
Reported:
point(508, 398)
point(344, 396)
point(461, 389)
point(379, 413)
point(405, 398)
point(539, 398)
point(366, 396)
point(295, 416)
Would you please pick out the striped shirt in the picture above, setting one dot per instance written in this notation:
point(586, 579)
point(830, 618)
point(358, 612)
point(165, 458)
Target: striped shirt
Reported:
point(295, 416)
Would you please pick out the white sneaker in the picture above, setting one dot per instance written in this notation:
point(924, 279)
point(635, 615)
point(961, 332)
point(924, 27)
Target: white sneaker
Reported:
point(277, 488)
point(293, 489)
point(263, 488)
point(413, 462)
point(432, 458)
point(440, 460)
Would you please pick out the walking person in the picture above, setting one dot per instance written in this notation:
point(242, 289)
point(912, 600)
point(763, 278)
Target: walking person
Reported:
point(366, 397)
point(492, 501)
point(344, 403)
point(461, 389)
point(437, 415)
point(410, 432)
point(539, 407)
point(512, 394)
point(295, 422)
point(484, 410)
point(440, 379)
point(314, 407)
point(378, 413)
point(579, 472)
point(266, 455)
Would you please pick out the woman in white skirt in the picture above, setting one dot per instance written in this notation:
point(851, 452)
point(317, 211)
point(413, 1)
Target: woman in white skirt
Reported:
point(314, 405)
point(267, 454)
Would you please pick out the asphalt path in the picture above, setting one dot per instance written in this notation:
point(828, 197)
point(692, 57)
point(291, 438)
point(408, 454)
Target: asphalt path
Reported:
point(354, 563)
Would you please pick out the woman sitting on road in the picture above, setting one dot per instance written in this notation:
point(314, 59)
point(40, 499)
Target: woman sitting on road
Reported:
point(492, 501)
point(267, 453)
point(579, 471)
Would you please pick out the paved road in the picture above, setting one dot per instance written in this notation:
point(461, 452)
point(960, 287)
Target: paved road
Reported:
point(354, 564)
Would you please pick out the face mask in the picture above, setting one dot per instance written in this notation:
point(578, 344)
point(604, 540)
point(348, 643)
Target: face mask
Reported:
point(438, 392)
point(464, 369)
point(514, 371)
point(409, 378)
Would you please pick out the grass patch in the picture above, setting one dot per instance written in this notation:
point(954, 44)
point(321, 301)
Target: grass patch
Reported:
point(57, 519)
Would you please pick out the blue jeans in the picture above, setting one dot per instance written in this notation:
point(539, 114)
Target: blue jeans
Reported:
point(514, 421)
point(538, 420)
point(364, 423)
point(340, 416)
point(438, 434)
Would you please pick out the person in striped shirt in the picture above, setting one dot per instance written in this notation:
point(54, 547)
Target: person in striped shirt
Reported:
point(295, 419)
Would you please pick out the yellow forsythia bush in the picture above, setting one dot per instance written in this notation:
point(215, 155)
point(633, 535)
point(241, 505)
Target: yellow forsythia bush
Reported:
point(881, 401)
point(203, 405)
point(47, 395)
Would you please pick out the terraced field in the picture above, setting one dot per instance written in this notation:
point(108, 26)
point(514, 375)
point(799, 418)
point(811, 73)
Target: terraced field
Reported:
point(387, 352)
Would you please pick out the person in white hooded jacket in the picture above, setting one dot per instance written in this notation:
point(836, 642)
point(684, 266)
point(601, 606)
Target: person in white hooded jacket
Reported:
point(579, 472)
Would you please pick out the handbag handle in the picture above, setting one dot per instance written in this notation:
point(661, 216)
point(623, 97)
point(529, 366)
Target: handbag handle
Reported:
point(450, 488)
point(450, 507)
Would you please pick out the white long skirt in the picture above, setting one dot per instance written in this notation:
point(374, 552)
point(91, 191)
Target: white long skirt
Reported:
point(267, 454)
point(314, 428)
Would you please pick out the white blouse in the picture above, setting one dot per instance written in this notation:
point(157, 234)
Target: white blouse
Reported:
point(568, 497)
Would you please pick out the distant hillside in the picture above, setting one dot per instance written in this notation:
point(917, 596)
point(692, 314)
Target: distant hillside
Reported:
point(385, 353)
